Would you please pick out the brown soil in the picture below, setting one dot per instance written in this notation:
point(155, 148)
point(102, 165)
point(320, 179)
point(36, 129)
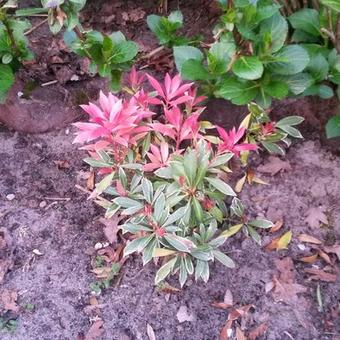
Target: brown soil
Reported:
point(64, 228)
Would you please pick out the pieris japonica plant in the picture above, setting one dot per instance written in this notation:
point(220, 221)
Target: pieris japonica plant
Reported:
point(165, 175)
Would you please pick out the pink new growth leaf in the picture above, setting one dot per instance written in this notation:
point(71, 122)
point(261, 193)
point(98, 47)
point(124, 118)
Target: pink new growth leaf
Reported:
point(158, 157)
point(230, 140)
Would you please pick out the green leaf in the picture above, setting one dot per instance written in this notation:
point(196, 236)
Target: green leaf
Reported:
point(254, 234)
point(153, 22)
point(221, 186)
point(291, 59)
point(221, 160)
point(184, 53)
point(183, 274)
point(307, 20)
point(290, 120)
point(6, 81)
point(190, 165)
point(104, 183)
point(197, 209)
point(276, 89)
point(219, 56)
point(147, 190)
point(148, 251)
point(261, 223)
point(51, 3)
point(138, 244)
point(273, 148)
point(165, 270)
point(277, 27)
point(297, 83)
point(333, 127)
point(127, 202)
point(30, 11)
point(224, 259)
point(159, 206)
point(318, 67)
point(174, 217)
point(179, 243)
point(123, 52)
point(7, 58)
point(333, 4)
point(231, 231)
point(291, 131)
point(249, 68)
point(238, 92)
point(192, 69)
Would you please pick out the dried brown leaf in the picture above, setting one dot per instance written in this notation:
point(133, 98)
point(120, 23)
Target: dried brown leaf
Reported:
point(62, 164)
point(316, 216)
point(90, 181)
point(95, 331)
point(309, 259)
point(8, 300)
point(258, 331)
point(287, 292)
point(111, 228)
point(226, 331)
point(274, 166)
point(318, 274)
point(277, 226)
point(183, 315)
point(308, 239)
point(239, 334)
point(324, 256)
point(332, 249)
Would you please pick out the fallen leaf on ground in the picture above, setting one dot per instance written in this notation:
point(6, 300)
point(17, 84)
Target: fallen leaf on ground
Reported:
point(228, 297)
point(239, 312)
point(308, 239)
point(167, 288)
point(274, 166)
point(286, 289)
point(324, 256)
point(8, 300)
point(111, 228)
point(150, 332)
point(227, 301)
point(309, 259)
point(183, 315)
point(62, 164)
point(316, 216)
point(239, 334)
point(318, 274)
point(226, 330)
point(280, 242)
point(277, 226)
point(258, 331)
point(332, 249)
point(95, 330)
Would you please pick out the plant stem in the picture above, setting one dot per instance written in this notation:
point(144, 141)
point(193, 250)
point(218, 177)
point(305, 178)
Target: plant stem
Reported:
point(337, 34)
point(11, 38)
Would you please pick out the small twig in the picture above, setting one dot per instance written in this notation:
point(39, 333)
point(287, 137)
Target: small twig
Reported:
point(153, 52)
point(49, 83)
point(35, 27)
point(57, 198)
point(83, 189)
point(329, 34)
point(51, 205)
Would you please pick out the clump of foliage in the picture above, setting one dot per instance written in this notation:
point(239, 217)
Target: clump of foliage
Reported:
point(167, 176)
point(109, 55)
point(261, 52)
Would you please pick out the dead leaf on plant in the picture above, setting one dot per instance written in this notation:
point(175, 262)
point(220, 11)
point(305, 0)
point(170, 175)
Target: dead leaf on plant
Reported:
point(316, 216)
point(95, 331)
point(258, 331)
point(308, 239)
point(90, 181)
point(8, 300)
point(318, 274)
point(274, 166)
point(111, 228)
point(150, 332)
